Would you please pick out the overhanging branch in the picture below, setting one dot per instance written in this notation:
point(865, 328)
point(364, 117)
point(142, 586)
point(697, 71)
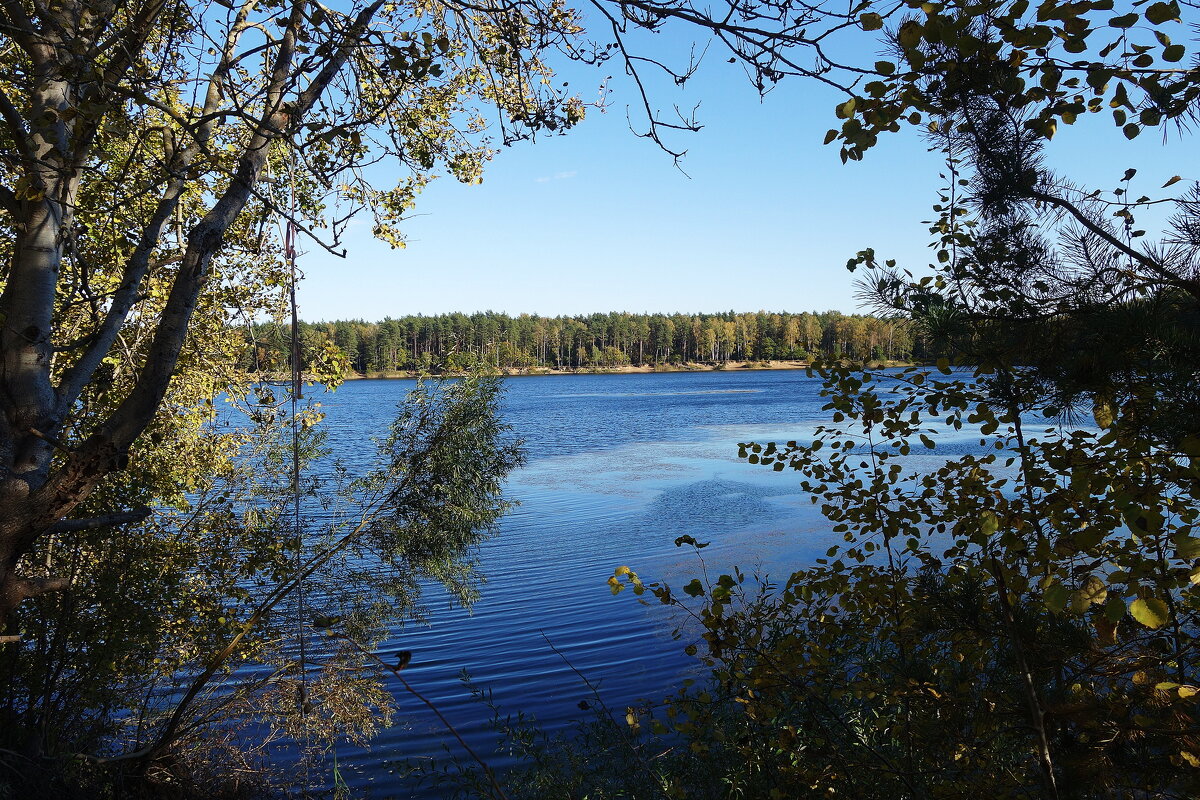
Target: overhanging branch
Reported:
point(103, 521)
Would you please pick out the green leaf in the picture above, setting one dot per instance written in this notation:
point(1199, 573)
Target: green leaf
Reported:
point(989, 523)
point(1143, 520)
point(870, 21)
point(1187, 548)
point(1174, 53)
point(1124, 21)
point(1114, 609)
point(694, 589)
point(1150, 611)
point(910, 32)
point(1055, 596)
point(1162, 12)
point(680, 541)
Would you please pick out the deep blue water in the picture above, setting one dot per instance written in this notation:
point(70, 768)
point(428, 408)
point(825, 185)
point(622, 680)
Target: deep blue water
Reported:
point(618, 467)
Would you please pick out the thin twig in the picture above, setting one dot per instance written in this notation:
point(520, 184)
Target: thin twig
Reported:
point(395, 670)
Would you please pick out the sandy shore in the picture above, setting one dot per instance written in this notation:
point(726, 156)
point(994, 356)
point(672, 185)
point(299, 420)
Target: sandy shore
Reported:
point(730, 366)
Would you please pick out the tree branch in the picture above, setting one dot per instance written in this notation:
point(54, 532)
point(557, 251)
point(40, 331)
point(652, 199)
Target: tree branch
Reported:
point(8, 200)
point(22, 31)
point(1192, 287)
point(78, 374)
point(140, 405)
point(16, 127)
point(106, 521)
point(132, 42)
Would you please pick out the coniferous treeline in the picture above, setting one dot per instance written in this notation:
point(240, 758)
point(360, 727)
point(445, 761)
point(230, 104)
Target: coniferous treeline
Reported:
point(456, 341)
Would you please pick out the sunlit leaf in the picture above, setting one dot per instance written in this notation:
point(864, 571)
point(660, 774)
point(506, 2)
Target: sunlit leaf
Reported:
point(1150, 611)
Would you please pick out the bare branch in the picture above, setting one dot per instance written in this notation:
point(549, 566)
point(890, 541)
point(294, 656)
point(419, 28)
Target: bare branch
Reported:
point(106, 521)
point(1192, 287)
point(35, 587)
point(45, 437)
point(16, 127)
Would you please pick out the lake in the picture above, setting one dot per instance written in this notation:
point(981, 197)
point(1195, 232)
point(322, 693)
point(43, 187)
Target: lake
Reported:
point(618, 467)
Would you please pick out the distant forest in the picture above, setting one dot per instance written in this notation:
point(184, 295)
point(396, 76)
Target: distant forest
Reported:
point(458, 341)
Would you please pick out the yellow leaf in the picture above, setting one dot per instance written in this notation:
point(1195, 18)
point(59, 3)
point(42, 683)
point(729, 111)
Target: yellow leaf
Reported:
point(1150, 611)
point(1092, 591)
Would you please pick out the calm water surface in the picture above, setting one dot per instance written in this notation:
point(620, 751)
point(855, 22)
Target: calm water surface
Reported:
point(618, 467)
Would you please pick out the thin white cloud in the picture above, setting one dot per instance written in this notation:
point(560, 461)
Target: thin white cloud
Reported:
point(558, 176)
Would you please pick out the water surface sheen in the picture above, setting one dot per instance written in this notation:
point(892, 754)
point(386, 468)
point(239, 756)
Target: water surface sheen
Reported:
point(618, 467)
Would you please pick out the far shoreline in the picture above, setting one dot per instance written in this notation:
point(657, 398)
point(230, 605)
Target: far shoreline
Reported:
point(627, 369)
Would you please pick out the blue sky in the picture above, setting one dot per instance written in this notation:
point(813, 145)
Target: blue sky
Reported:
point(601, 220)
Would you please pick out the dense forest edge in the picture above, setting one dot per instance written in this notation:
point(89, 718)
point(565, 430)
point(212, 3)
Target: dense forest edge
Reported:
point(615, 341)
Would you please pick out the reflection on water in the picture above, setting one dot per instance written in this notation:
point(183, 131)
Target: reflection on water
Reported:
point(614, 395)
point(619, 466)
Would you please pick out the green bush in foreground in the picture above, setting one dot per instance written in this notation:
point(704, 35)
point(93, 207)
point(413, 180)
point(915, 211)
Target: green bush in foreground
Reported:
point(1014, 619)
